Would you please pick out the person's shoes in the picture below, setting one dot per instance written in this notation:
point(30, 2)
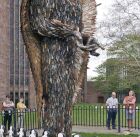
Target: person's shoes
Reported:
point(108, 128)
point(113, 127)
point(130, 130)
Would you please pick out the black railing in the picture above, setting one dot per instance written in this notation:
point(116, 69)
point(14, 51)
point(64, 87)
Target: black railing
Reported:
point(81, 116)
point(97, 116)
point(26, 119)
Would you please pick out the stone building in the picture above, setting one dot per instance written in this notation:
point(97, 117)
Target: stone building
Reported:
point(94, 96)
point(4, 48)
point(15, 75)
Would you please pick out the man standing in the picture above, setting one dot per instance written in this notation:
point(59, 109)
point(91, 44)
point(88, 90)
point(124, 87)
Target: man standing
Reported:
point(112, 105)
point(8, 107)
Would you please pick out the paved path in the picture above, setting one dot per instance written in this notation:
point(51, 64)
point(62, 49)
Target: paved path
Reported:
point(90, 129)
point(101, 130)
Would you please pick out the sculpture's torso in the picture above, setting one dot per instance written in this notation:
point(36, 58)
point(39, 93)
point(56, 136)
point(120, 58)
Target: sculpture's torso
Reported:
point(58, 57)
point(66, 11)
point(54, 55)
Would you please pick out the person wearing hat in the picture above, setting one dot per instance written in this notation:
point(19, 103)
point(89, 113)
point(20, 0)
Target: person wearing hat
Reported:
point(8, 107)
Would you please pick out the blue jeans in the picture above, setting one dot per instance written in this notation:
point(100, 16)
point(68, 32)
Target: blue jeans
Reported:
point(111, 117)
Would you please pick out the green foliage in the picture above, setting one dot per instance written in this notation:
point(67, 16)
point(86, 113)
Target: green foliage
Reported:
point(121, 70)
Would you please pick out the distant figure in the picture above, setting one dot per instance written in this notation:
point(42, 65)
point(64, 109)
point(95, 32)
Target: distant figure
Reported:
point(77, 136)
point(10, 132)
point(21, 133)
point(21, 107)
point(112, 105)
point(1, 131)
point(60, 135)
point(8, 107)
point(45, 134)
point(33, 134)
point(129, 102)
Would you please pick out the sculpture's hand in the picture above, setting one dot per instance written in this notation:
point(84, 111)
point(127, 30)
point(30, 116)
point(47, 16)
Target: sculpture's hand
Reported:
point(92, 44)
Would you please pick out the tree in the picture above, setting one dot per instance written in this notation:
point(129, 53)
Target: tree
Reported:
point(121, 32)
point(121, 70)
point(58, 37)
point(128, 51)
point(122, 19)
point(109, 76)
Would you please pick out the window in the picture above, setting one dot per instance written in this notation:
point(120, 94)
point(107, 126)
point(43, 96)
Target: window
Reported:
point(16, 98)
point(12, 95)
point(27, 99)
point(21, 94)
point(11, 80)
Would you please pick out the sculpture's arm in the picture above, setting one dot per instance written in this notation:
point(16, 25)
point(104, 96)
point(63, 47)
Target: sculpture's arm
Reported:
point(48, 18)
point(91, 44)
point(54, 28)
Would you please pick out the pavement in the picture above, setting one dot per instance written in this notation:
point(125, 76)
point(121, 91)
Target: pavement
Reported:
point(90, 129)
point(104, 130)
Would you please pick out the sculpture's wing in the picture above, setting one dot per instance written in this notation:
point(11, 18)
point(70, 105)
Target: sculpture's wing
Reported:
point(88, 21)
point(89, 16)
point(53, 18)
point(32, 48)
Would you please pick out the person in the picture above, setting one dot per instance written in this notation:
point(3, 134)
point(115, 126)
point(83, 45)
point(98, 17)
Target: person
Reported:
point(129, 102)
point(8, 107)
point(112, 105)
point(20, 107)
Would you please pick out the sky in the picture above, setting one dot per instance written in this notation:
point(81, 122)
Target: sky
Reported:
point(94, 62)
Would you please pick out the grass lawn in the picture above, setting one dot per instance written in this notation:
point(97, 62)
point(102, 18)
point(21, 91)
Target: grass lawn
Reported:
point(104, 135)
point(96, 115)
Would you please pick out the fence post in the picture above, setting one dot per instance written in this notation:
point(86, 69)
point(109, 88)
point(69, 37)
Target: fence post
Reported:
point(119, 128)
point(15, 127)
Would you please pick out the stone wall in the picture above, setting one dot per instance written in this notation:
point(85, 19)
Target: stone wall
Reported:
point(10, 37)
point(94, 96)
point(4, 48)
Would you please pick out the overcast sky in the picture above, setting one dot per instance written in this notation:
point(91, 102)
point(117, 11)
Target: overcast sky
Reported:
point(96, 61)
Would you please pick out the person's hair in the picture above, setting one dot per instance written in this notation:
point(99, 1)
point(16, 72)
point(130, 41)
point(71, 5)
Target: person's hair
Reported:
point(7, 96)
point(133, 93)
point(21, 97)
point(113, 93)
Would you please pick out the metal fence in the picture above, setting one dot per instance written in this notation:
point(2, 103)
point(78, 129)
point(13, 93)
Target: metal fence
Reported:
point(81, 116)
point(27, 119)
point(97, 116)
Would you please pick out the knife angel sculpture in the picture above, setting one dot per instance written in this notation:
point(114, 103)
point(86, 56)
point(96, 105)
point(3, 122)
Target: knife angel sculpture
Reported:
point(58, 36)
